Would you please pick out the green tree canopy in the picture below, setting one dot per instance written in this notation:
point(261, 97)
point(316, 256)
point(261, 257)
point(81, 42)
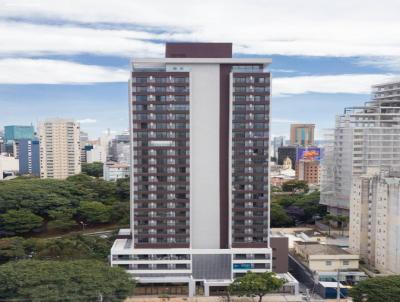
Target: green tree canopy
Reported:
point(255, 285)
point(294, 185)
point(57, 201)
point(94, 212)
point(379, 289)
point(19, 221)
point(80, 280)
point(279, 218)
point(11, 248)
point(93, 169)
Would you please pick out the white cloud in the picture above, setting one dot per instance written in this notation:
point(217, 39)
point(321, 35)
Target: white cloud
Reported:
point(386, 63)
point(342, 83)
point(87, 121)
point(41, 71)
point(29, 71)
point(288, 27)
point(23, 39)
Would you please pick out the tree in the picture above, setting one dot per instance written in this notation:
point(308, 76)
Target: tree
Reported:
point(79, 280)
point(62, 219)
point(295, 185)
point(328, 219)
point(342, 221)
point(279, 218)
point(255, 285)
point(11, 248)
point(19, 221)
point(94, 212)
point(93, 169)
point(379, 289)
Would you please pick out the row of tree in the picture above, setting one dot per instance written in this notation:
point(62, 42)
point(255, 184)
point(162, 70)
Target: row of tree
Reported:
point(40, 205)
point(286, 210)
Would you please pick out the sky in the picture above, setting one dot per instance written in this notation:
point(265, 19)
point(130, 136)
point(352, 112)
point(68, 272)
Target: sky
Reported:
point(70, 58)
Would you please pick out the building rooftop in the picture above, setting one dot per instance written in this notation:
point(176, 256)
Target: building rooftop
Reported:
point(117, 165)
point(315, 248)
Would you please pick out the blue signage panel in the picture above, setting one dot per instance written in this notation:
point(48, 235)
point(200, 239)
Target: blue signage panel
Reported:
point(242, 266)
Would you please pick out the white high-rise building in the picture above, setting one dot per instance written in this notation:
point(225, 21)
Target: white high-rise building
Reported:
point(375, 220)
point(60, 154)
point(364, 137)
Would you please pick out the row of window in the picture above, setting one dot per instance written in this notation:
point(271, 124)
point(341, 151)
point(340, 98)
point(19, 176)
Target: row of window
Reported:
point(152, 79)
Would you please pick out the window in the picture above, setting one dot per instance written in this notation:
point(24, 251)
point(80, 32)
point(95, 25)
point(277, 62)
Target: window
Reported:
point(328, 263)
point(346, 262)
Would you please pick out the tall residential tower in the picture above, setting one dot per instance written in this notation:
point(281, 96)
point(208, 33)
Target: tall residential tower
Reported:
point(60, 154)
point(199, 170)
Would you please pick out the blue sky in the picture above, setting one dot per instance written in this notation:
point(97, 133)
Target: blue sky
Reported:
point(59, 59)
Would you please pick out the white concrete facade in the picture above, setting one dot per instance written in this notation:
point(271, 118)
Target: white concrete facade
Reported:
point(204, 155)
point(375, 220)
point(115, 171)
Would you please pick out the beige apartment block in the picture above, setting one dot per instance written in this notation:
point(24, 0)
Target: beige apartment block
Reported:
point(59, 148)
point(325, 257)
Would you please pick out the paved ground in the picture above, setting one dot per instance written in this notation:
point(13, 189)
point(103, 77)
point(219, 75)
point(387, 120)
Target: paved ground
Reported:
point(269, 298)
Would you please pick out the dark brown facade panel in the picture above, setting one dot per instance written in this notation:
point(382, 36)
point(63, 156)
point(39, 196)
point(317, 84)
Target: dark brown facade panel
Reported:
point(225, 70)
point(280, 254)
point(198, 50)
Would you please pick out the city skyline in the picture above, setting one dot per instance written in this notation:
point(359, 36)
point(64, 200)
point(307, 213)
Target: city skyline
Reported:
point(83, 59)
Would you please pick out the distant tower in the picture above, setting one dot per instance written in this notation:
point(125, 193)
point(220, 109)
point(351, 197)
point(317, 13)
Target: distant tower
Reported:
point(302, 134)
point(59, 148)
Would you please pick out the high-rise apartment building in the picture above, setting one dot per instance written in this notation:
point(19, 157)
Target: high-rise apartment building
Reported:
point(199, 170)
point(60, 154)
point(375, 219)
point(364, 137)
point(28, 154)
point(302, 134)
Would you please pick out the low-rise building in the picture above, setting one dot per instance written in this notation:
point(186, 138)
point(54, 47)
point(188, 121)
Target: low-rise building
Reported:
point(113, 171)
point(325, 260)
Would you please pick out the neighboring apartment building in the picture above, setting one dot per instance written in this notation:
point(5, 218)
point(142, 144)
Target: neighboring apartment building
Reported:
point(28, 154)
point(302, 134)
point(60, 152)
point(375, 219)
point(200, 191)
point(120, 148)
point(114, 171)
point(364, 137)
